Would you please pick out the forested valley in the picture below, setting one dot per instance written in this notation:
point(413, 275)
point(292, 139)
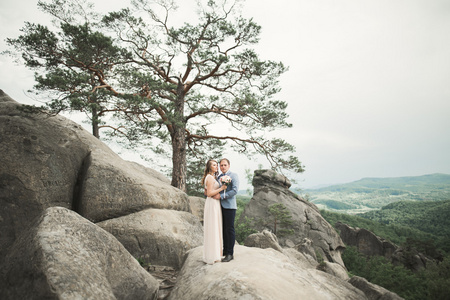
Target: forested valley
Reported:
point(410, 212)
point(416, 226)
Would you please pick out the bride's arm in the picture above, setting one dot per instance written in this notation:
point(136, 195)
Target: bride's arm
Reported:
point(210, 191)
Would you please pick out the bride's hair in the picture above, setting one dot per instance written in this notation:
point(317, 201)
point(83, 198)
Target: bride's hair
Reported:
point(208, 170)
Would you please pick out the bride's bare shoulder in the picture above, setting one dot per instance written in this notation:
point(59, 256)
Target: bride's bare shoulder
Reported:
point(209, 177)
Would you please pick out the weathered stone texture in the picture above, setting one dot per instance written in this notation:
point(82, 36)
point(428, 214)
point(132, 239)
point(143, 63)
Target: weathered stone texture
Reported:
point(64, 256)
point(158, 236)
point(73, 214)
point(263, 240)
point(48, 161)
point(257, 274)
point(366, 242)
point(272, 188)
point(197, 205)
point(373, 291)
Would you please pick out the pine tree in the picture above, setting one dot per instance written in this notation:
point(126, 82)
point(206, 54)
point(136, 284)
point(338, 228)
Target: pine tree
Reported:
point(169, 88)
point(281, 217)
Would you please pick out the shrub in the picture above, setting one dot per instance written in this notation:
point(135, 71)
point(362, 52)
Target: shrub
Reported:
point(244, 229)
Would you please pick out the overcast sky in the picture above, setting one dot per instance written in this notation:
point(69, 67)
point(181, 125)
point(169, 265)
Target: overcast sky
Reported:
point(368, 84)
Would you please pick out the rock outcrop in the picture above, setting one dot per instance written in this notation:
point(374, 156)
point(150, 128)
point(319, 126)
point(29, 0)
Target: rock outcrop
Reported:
point(272, 188)
point(306, 247)
point(334, 269)
point(263, 240)
point(365, 241)
point(64, 256)
point(370, 244)
point(373, 291)
point(111, 187)
point(159, 236)
point(48, 161)
point(302, 253)
point(74, 214)
point(40, 162)
point(257, 274)
point(412, 259)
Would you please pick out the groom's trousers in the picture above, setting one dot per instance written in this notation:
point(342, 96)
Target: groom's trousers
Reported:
point(229, 235)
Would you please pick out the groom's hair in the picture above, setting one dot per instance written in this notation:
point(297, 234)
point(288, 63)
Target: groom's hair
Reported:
point(224, 159)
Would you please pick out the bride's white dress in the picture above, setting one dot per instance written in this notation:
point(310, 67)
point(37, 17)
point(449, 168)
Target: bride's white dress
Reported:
point(212, 228)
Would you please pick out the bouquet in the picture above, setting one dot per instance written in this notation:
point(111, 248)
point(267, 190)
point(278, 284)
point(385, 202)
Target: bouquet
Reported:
point(225, 180)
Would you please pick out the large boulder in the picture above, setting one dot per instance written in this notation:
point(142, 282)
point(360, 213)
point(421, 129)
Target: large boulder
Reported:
point(157, 236)
point(64, 256)
point(267, 239)
point(257, 274)
point(272, 188)
point(40, 162)
point(300, 259)
point(112, 187)
point(263, 240)
point(365, 241)
point(334, 269)
point(411, 259)
point(373, 291)
point(370, 244)
point(306, 247)
point(48, 160)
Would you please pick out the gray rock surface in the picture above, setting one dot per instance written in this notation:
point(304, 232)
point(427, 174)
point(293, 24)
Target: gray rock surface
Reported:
point(271, 188)
point(56, 178)
point(263, 240)
point(373, 291)
point(40, 159)
point(113, 187)
point(302, 260)
point(267, 239)
point(51, 161)
point(257, 274)
point(365, 241)
point(64, 256)
point(197, 205)
point(335, 270)
point(370, 244)
point(413, 260)
point(157, 236)
point(306, 247)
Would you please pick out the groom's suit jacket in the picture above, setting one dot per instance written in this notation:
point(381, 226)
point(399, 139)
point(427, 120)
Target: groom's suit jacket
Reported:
point(228, 196)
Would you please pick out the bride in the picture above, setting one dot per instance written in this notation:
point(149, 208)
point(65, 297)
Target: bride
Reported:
point(212, 216)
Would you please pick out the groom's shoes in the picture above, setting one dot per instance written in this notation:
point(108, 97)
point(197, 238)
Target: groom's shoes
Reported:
point(227, 258)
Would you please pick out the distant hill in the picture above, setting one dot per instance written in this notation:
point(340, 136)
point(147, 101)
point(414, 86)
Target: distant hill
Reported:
point(373, 193)
point(428, 216)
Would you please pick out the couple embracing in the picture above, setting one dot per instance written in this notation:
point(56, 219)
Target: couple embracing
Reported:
point(220, 211)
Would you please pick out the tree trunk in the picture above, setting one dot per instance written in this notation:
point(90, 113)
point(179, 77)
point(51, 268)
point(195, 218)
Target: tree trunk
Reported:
point(95, 130)
point(179, 158)
point(179, 143)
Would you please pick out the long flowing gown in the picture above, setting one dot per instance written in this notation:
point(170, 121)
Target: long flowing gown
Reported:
point(212, 228)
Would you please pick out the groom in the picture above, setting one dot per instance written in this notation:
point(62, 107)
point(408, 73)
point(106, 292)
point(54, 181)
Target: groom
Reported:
point(228, 202)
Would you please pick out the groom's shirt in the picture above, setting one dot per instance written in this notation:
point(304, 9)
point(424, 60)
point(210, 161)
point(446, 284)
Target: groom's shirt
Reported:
point(228, 196)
